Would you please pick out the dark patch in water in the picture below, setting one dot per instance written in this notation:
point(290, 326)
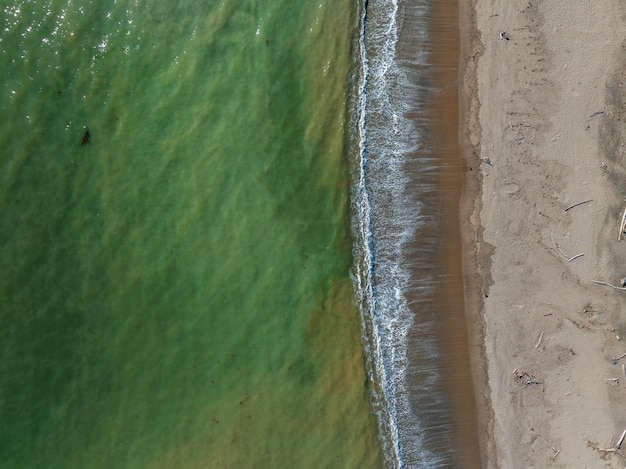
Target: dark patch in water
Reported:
point(85, 139)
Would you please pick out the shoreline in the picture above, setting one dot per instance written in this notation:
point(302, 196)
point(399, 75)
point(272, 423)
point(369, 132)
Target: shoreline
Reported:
point(438, 386)
point(545, 109)
point(475, 262)
point(458, 381)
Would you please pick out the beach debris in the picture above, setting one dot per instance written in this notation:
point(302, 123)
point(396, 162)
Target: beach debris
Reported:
point(595, 114)
point(575, 257)
point(616, 359)
point(528, 383)
point(608, 285)
point(579, 203)
point(604, 168)
point(540, 339)
point(621, 440)
point(486, 159)
point(613, 381)
point(504, 35)
point(617, 446)
point(525, 379)
point(621, 227)
point(556, 453)
point(614, 448)
point(607, 450)
point(624, 370)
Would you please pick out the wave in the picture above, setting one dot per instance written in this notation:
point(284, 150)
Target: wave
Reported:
point(392, 200)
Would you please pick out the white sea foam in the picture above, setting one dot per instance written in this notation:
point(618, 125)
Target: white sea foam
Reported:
point(388, 215)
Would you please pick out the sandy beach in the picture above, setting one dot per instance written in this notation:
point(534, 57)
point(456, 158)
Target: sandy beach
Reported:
point(543, 125)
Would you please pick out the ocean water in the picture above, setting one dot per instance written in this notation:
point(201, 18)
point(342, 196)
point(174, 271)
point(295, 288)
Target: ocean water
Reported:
point(175, 288)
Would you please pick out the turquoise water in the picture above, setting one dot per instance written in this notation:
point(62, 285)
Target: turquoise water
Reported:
point(175, 292)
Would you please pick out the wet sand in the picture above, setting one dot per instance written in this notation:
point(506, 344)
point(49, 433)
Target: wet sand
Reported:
point(453, 330)
point(458, 434)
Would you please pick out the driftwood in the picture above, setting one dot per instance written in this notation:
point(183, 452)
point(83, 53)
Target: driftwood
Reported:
point(621, 440)
point(556, 454)
point(607, 450)
point(615, 360)
point(621, 226)
point(608, 285)
point(617, 447)
point(576, 257)
point(540, 339)
point(624, 370)
point(579, 203)
point(524, 378)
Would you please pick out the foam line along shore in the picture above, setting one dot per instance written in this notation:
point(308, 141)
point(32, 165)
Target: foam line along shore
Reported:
point(415, 335)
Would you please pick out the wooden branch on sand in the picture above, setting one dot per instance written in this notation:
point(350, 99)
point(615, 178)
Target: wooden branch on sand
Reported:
point(608, 285)
point(579, 203)
point(539, 341)
point(617, 447)
point(621, 226)
point(615, 360)
point(621, 440)
point(576, 257)
point(607, 450)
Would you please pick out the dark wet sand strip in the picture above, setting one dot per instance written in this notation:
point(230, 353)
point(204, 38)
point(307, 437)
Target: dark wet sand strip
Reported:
point(449, 300)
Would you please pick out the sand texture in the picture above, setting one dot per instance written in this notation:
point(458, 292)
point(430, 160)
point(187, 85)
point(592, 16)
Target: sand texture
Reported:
point(546, 121)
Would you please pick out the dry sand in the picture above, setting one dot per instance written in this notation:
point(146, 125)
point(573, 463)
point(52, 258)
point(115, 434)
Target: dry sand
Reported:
point(545, 123)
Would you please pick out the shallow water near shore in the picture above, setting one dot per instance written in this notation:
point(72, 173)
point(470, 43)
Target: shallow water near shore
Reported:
point(176, 292)
point(409, 273)
point(177, 283)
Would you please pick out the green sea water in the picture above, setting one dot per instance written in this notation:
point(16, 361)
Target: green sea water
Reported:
point(175, 292)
